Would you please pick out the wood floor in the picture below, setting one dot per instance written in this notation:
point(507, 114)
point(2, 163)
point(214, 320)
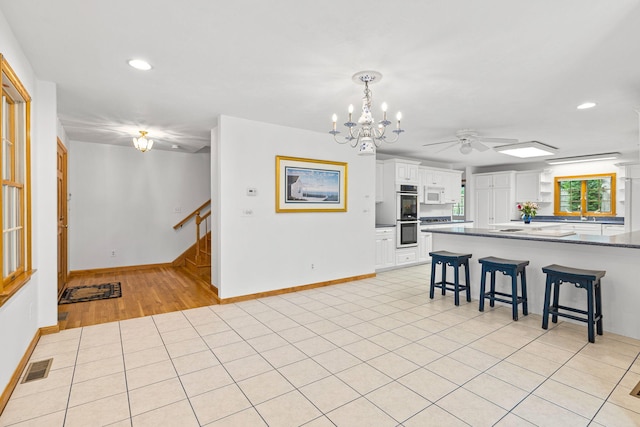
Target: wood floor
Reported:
point(144, 292)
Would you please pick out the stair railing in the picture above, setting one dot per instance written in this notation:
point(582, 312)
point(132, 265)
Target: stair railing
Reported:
point(192, 214)
point(199, 220)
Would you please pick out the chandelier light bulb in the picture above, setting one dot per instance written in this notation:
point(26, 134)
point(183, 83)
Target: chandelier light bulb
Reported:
point(399, 116)
point(350, 108)
point(384, 107)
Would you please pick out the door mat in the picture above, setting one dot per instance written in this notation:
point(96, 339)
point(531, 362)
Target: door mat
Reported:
point(91, 293)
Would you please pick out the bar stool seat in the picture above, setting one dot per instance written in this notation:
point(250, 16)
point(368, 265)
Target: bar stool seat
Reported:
point(454, 260)
point(585, 279)
point(508, 267)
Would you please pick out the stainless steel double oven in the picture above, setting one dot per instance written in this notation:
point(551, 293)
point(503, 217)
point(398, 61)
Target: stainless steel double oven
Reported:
point(407, 223)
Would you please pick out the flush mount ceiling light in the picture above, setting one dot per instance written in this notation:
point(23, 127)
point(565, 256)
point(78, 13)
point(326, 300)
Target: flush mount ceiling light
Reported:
point(143, 143)
point(580, 159)
point(140, 64)
point(586, 105)
point(525, 150)
point(365, 134)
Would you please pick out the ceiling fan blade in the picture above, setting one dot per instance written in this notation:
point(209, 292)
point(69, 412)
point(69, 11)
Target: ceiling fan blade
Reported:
point(447, 147)
point(441, 142)
point(498, 140)
point(478, 146)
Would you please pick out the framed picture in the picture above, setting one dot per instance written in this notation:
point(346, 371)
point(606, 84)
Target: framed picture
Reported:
point(307, 185)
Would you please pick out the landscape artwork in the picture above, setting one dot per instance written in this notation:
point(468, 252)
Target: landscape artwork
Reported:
point(307, 185)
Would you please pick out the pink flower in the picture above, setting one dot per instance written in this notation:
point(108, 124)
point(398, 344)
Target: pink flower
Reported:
point(519, 207)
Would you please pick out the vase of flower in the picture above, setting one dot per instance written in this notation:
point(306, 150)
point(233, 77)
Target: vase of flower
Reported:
point(527, 211)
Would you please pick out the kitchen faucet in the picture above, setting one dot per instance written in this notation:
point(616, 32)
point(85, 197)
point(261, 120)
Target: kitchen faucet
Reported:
point(582, 218)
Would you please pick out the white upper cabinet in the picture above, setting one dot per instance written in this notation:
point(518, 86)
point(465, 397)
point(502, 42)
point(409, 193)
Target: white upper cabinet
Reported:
point(494, 198)
point(452, 186)
point(407, 173)
point(448, 182)
point(534, 186)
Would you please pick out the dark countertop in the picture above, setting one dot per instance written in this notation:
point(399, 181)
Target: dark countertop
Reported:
point(598, 220)
point(452, 222)
point(625, 240)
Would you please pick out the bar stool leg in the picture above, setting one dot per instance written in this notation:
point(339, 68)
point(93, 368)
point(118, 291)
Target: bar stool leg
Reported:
point(556, 299)
point(492, 301)
point(433, 278)
point(466, 278)
point(514, 295)
point(523, 283)
point(598, 308)
point(590, 317)
point(444, 277)
point(547, 298)
point(456, 283)
point(483, 281)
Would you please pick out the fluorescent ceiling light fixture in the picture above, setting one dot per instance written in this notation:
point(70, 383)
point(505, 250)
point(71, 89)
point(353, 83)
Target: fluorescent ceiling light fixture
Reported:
point(586, 105)
point(525, 150)
point(580, 159)
point(140, 64)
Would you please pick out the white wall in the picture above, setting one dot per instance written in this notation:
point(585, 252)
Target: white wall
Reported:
point(34, 305)
point(270, 250)
point(123, 200)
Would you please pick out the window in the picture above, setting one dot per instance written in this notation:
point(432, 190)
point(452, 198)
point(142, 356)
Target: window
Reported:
point(588, 195)
point(458, 208)
point(14, 169)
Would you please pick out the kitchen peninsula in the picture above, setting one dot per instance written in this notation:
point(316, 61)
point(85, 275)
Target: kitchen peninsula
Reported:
point(618, 255)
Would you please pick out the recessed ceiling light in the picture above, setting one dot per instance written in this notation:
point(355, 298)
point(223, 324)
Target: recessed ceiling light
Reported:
point(525, 150)
point(140, 64)
point(586, 105)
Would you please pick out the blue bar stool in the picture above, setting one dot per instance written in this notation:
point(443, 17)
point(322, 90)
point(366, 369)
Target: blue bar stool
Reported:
point(507, 267)
point(454, 260)
point(589, 280)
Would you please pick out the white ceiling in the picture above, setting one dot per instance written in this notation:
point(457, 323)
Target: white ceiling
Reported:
point(506, 68)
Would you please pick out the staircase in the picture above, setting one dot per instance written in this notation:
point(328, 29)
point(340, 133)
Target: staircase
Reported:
point(197, 259)
point(200, 265)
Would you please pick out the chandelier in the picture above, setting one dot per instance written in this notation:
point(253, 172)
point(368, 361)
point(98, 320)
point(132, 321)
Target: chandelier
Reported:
point(143, 143)
point(366, 134)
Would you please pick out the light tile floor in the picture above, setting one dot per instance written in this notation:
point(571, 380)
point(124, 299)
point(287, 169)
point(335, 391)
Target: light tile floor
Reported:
point(375, 352)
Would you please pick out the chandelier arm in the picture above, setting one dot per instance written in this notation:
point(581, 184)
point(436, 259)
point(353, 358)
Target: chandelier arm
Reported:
point(397, 132)
point(352, 140)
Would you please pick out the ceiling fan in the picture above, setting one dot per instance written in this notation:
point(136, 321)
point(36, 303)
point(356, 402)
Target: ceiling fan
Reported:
point(468, 140)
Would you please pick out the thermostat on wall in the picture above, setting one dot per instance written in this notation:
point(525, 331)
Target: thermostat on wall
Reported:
point(251, 191)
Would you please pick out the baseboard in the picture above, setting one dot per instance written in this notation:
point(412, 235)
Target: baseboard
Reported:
point(294, 289)
point(76, 273)
point(15, 378)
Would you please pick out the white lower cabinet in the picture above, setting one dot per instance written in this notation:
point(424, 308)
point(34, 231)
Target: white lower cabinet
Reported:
point(385, 247)
point(612, 229)
point(425, 244)
point(406, 256)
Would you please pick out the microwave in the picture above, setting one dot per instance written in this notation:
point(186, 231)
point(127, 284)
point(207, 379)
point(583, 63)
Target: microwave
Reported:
point(434, 195)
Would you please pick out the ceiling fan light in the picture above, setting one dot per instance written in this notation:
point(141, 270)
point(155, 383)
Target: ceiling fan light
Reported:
point(466, 148)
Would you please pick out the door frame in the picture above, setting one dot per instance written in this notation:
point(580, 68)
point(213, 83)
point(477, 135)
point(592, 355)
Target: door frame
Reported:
point(63, 222)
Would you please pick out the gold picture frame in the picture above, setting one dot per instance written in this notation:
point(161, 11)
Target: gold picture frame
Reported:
point(308, 185)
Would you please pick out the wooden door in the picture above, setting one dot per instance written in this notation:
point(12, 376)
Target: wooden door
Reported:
point(62, 217)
